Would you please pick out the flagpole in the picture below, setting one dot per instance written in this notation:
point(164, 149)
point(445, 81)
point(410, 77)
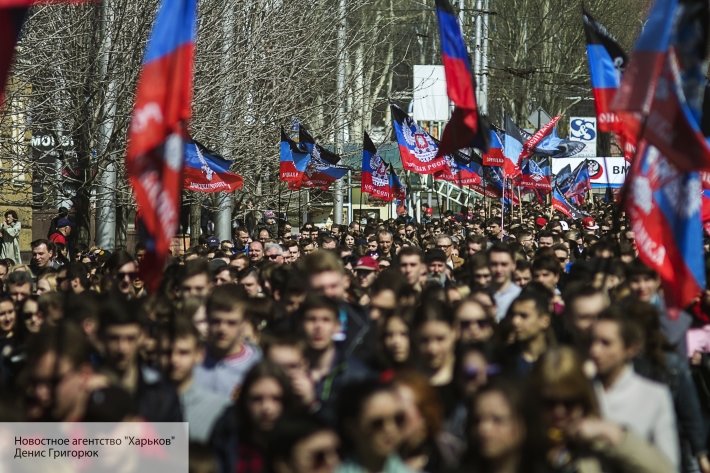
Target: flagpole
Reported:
point(300, 220)
point(520, 205)
point(359, 218)
point(485, 199)
point(278, 214)
point(502, 209)
point(438, 201)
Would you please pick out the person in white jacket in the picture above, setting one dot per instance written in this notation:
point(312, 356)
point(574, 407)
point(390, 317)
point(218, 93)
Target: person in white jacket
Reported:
point(10, 233)
point(643, 406)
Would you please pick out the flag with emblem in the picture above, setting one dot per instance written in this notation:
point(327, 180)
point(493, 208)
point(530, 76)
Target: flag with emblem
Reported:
point(207, 171)
point(417, 149)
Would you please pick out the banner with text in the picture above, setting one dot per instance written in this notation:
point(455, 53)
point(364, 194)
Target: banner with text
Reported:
point(603, 172)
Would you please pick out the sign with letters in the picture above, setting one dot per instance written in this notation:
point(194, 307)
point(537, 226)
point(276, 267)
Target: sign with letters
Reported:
point(603, 172)
point(584, 129)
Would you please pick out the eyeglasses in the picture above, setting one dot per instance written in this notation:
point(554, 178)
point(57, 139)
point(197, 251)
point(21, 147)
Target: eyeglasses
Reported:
point(130, 275)
point(273, 256)
point(29, 314)
point(480, 323)
point(567, 403)
point(378, 423)
point(472, 372)
point(443, 247)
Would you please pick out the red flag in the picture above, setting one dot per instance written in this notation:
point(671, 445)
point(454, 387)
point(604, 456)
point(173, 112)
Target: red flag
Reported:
point(156, 137)
point(529, 145)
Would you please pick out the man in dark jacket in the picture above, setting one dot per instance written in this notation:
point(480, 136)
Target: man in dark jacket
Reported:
point(121, 331)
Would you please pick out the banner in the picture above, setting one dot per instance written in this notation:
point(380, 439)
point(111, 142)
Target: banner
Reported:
point(603, 172)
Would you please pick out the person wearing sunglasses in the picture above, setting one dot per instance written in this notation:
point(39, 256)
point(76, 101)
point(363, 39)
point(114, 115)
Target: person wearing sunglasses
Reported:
point(122, 270)
point(578, 438)
point(371, 420)
point(303, 444)
point(472, 322)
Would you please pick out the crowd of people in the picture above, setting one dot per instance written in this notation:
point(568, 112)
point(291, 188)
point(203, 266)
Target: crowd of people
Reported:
point(468, 342)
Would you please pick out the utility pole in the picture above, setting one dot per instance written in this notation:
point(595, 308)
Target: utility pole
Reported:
point(223, 216)
point(483, 96)
point(106, 189)
point(341, 132)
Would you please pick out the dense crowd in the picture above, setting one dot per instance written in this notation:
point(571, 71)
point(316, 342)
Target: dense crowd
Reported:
point(469, 342)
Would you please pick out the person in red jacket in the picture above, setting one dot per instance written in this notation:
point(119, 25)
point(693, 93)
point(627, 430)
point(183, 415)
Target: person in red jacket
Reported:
point(62, 233)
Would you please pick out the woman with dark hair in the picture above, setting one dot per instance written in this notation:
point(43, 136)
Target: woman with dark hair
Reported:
point(240, 435)
point(394, 341)
point(504, 433)
point(578, 439)
point(370, 421)
point(425, 444)
point(347, 241)
point(435, 341)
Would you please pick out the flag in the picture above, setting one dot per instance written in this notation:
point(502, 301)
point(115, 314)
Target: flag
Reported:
point(705, 120)
point(399, 191)
point(462, 169)
point(12, 16)
point(664, 207)
point(293, 159)
point(579, 184)
point(375, 172)
point(705, 217)
point(512, 146)
point(464, 129)
point(418, 149)
point(494, 156)
point(321, 169)
point(154, 161)
point(530, 144)
point(11, 21)
point(563, 179)
point(606, 62)
point(555, 147)
point(671, 125)
point(206, 171)
point(641, 75)
point(564, 206)
point(536, 173)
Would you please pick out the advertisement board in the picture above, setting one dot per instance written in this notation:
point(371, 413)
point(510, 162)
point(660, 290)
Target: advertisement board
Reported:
point(603, 172)
point(584, 129)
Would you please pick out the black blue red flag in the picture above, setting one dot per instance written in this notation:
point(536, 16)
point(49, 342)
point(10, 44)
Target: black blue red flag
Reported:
point(563, 179)
point(207, 171)
point(465, 128)
point(580, 183)
point(564, 206)
point(293, 159)
point(322, 167)
point(606, 63)
point(375, 172)
point(530, 144)
point(494, 156)
point(663, 88)
point(157, 134)
point(536, 173)
point(417, 149)
point(555, 147)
